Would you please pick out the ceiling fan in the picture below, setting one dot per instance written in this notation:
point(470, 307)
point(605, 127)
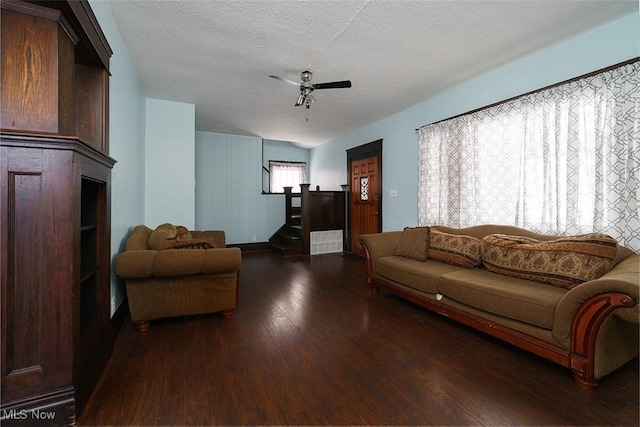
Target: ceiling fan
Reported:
point(306, 87)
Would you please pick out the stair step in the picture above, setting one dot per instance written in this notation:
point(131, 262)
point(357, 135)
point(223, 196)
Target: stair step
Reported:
point(290, 237)
point(286, 250)
point(288, 240)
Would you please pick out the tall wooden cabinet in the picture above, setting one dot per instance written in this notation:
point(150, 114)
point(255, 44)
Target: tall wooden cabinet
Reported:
point(54, 207)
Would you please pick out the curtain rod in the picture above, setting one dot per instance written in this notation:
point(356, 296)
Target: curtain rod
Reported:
point(593, 73)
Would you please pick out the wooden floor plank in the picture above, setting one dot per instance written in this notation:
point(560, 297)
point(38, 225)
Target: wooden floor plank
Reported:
point(309, 345)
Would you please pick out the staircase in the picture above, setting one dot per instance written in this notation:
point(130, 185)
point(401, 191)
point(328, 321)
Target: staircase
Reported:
point(288, 239)
point(307, 212)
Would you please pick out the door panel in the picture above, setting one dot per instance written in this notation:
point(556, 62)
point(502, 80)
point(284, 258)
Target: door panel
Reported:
point(364, 200)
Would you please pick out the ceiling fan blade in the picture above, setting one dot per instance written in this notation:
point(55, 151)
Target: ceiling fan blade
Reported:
point(332, 85)
point(273, 76)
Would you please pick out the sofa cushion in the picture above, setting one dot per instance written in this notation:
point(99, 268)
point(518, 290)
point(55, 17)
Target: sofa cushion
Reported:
point(564, 262)
point(460, 250)
point(517, 299)
point(163, 237)
point(416, 274)
point(414, 243)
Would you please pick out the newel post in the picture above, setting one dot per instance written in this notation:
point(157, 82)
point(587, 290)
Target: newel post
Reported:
point(305, 208)
point(287, 205)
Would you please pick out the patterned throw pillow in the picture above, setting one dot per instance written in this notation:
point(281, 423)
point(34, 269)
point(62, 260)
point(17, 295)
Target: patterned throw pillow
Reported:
point(183, 233)
point(456, 249)
point(565, 262)
point(414, 243)
point(203, 243)
point(163, 237)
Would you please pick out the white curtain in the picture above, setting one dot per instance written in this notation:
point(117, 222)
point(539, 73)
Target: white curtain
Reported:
point(285, 174)
point(564, 160)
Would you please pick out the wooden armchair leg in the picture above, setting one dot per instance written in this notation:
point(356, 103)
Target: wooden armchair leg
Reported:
point(142, 326)
point(227, 314)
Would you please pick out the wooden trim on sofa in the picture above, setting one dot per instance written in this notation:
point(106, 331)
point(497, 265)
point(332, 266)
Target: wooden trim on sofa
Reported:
point(584, 333)
point(580, 358)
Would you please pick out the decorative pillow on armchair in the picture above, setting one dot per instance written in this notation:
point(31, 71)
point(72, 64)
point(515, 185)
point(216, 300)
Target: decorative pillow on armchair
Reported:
point(565, 262)
point(414, 243)
point(183, 233)
point(163, 237)
point(203, 243)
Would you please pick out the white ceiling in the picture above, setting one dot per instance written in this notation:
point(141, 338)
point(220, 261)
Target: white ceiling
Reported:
point(397, 53)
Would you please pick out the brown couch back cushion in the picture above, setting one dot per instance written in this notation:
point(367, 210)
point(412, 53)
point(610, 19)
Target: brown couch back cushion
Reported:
point(564, 262)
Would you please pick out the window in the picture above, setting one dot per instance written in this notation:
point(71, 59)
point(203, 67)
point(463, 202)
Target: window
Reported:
point(364, 188)
point(563, 160)
point(286, 174)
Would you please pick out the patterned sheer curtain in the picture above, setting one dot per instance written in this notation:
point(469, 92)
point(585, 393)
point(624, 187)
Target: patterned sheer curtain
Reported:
point(286, 174)
point(564, 160)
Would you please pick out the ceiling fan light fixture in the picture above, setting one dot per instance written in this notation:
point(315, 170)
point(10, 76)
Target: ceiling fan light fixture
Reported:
point(306, 87)
point(309, 100)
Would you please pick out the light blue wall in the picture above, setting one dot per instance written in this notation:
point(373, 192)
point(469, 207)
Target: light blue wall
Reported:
point(126, 127)
point(169, 163)
point(229, 189)
point(283, 150)
point(604, 46)
point(229, 185)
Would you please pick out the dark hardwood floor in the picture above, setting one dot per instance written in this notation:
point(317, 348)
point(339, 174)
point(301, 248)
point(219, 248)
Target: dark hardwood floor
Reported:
point(309, 345)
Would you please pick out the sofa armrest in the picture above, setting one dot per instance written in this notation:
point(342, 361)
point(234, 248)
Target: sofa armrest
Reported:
point(622, 280)
point(218, 236)
point(177, 262)
point(381, 244)
point(135, 264)
point(378, 245)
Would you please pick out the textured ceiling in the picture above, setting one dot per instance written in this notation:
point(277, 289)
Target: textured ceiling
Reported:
point(218, 54)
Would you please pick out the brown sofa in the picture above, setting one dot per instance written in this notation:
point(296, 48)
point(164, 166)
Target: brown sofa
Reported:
point(589, 326)
point(166, 277)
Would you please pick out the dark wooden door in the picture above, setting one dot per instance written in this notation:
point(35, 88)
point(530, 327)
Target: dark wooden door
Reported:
point(364, 200)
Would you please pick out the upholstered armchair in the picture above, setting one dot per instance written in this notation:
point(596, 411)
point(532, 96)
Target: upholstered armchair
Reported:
point(171, 272)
